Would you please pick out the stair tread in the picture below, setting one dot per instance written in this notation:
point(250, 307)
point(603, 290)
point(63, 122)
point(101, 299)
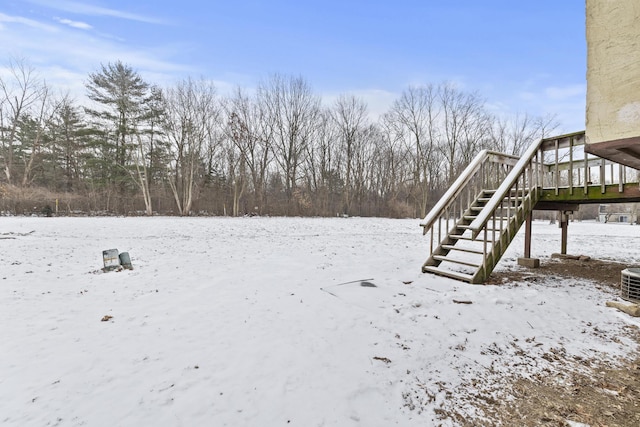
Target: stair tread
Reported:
point(458, 248)
point(468, 227)
point(498, 218)
point(460, 237)
point(455, 261)
point(448, 273)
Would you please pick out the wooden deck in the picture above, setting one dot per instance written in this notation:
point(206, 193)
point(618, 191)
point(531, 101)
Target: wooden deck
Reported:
point(612, 193)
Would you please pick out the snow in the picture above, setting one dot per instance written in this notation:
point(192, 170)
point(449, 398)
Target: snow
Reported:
point(278, 321)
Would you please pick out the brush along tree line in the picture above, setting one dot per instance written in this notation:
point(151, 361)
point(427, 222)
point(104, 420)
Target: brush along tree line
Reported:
point(136, 148)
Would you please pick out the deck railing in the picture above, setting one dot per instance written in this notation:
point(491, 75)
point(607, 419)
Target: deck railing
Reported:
point(568, 166)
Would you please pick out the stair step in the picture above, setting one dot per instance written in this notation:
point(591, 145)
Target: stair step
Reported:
point(447, 273)
point(461, 249)
point(485, 197)
point(460, 237)
point(464, 227)
point(468, 227)
point(505, 200)
point(478, 209)
point(455, 261)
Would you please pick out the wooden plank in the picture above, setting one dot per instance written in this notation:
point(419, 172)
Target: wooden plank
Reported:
point(461, 249)
point(595, 194)
point(455, 261)
point(563, 140)
point(527, 235)
point(447, 273)
point(460, 237)
point(586, 163)
point(564, 226)
point(556, 206)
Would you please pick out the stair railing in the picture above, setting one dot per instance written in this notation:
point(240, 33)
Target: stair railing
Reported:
point(507, 208)
point(524, 178)
point(485, 171)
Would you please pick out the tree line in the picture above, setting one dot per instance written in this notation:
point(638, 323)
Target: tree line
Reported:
point(137, 148)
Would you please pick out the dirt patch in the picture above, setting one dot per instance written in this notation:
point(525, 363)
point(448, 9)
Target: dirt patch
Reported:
point(598, 271)
point(574, 392)
point(598, 396)
point(583, 393)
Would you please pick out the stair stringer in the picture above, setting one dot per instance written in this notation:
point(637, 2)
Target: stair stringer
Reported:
point(499, 247)
point(448, 240)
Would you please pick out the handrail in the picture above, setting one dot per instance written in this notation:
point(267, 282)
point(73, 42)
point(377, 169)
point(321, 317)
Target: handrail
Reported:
point(454, 190)
point(459, 185)
point(496, 199)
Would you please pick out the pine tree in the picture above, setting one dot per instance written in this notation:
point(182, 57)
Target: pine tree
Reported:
point(121, 95)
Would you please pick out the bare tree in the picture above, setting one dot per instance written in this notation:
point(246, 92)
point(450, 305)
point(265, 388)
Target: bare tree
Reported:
point(394, 160)
point(24, 103)
point(462, 118)
point(512, 135)
point(32, 147)
point(233, 160)
point(291, 110)
point(321, 166)
point(252, 135)
point(365, 166)
point(192, 116)
point(350, 116)
point(413, 121)
point(141, 173)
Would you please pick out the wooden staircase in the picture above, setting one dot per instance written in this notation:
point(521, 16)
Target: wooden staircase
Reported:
point(472, 225)
point(463, 256)
point(475, 221)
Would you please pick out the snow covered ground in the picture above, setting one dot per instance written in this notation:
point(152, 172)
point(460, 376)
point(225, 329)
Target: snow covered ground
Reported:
point(278, 321)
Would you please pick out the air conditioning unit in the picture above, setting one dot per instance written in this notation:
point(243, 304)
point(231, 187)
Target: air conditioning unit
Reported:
point(630, 284)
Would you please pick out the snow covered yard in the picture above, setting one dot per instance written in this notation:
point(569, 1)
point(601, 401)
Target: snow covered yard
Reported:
point(280, 321)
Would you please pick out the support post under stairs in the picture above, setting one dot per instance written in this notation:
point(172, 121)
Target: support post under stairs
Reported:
point(527, 261)
point(564, 225)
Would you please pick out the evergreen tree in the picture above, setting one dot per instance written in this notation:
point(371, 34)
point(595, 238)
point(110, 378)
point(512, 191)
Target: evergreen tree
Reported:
point(121, 95)
point(68, 156)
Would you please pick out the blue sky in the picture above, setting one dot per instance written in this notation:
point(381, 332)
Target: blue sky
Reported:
point(521, 56)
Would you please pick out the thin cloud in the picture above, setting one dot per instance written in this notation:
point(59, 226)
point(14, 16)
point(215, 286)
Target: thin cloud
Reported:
point(92, 10)
point(77, 53)
point(74, 24)
point(26, 21)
